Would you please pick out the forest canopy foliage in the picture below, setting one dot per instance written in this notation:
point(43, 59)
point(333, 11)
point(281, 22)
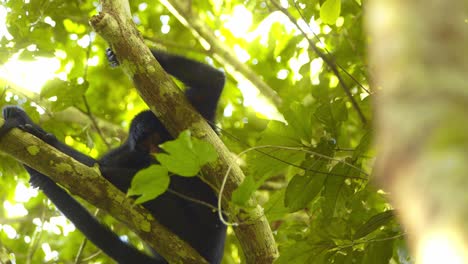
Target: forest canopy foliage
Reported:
point(296, 108)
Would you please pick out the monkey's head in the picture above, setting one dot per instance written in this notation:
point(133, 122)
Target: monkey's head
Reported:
point(147, 132)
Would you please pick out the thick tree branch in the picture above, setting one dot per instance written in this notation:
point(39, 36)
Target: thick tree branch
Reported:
point(87, 183)
point(169, 104)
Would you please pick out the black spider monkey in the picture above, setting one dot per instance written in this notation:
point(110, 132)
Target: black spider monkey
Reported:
point(193, 222)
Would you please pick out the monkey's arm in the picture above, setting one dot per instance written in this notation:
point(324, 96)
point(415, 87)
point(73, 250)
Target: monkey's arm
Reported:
point(204, 83)
point(96, 232)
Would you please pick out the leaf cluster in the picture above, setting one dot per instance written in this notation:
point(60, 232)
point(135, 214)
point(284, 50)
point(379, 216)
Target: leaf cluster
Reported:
point(307, 160)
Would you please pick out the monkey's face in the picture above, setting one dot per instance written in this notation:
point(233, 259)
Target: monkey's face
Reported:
point(152, 143)
point(147, 133)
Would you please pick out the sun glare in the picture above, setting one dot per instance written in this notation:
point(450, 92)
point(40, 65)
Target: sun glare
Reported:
point(23, 193)
point(30, 75)
point(14, 209)
point(442, 247)
point(3, 28)
point(261, 105)
point(240, 21)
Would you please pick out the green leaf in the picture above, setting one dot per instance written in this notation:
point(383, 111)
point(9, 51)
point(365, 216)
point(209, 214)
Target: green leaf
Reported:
point(374, 223)
point(364, 145)
point(305, 252)
point(302, 189)
point(244, 191)
point(330, 11)
point(299, 118)
point(332, 115)
point(149, 183)
point(332, 193)
point(264, 165)
point(272, 161)
point(379, 252)
point(67, 93)
point(267, 162)
point(278, 133)
point(274, 208)
point(186, 155)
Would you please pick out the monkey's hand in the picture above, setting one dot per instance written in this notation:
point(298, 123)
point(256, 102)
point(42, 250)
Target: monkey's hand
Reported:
point(111, 58)
point(15, 117)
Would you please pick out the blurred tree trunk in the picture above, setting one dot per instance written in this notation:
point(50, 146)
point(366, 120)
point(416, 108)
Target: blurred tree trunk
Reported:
point(419, 64)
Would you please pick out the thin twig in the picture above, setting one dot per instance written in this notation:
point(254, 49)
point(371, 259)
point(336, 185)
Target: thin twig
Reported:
point(85, 100)
point(327, 61)
point(329, 53)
